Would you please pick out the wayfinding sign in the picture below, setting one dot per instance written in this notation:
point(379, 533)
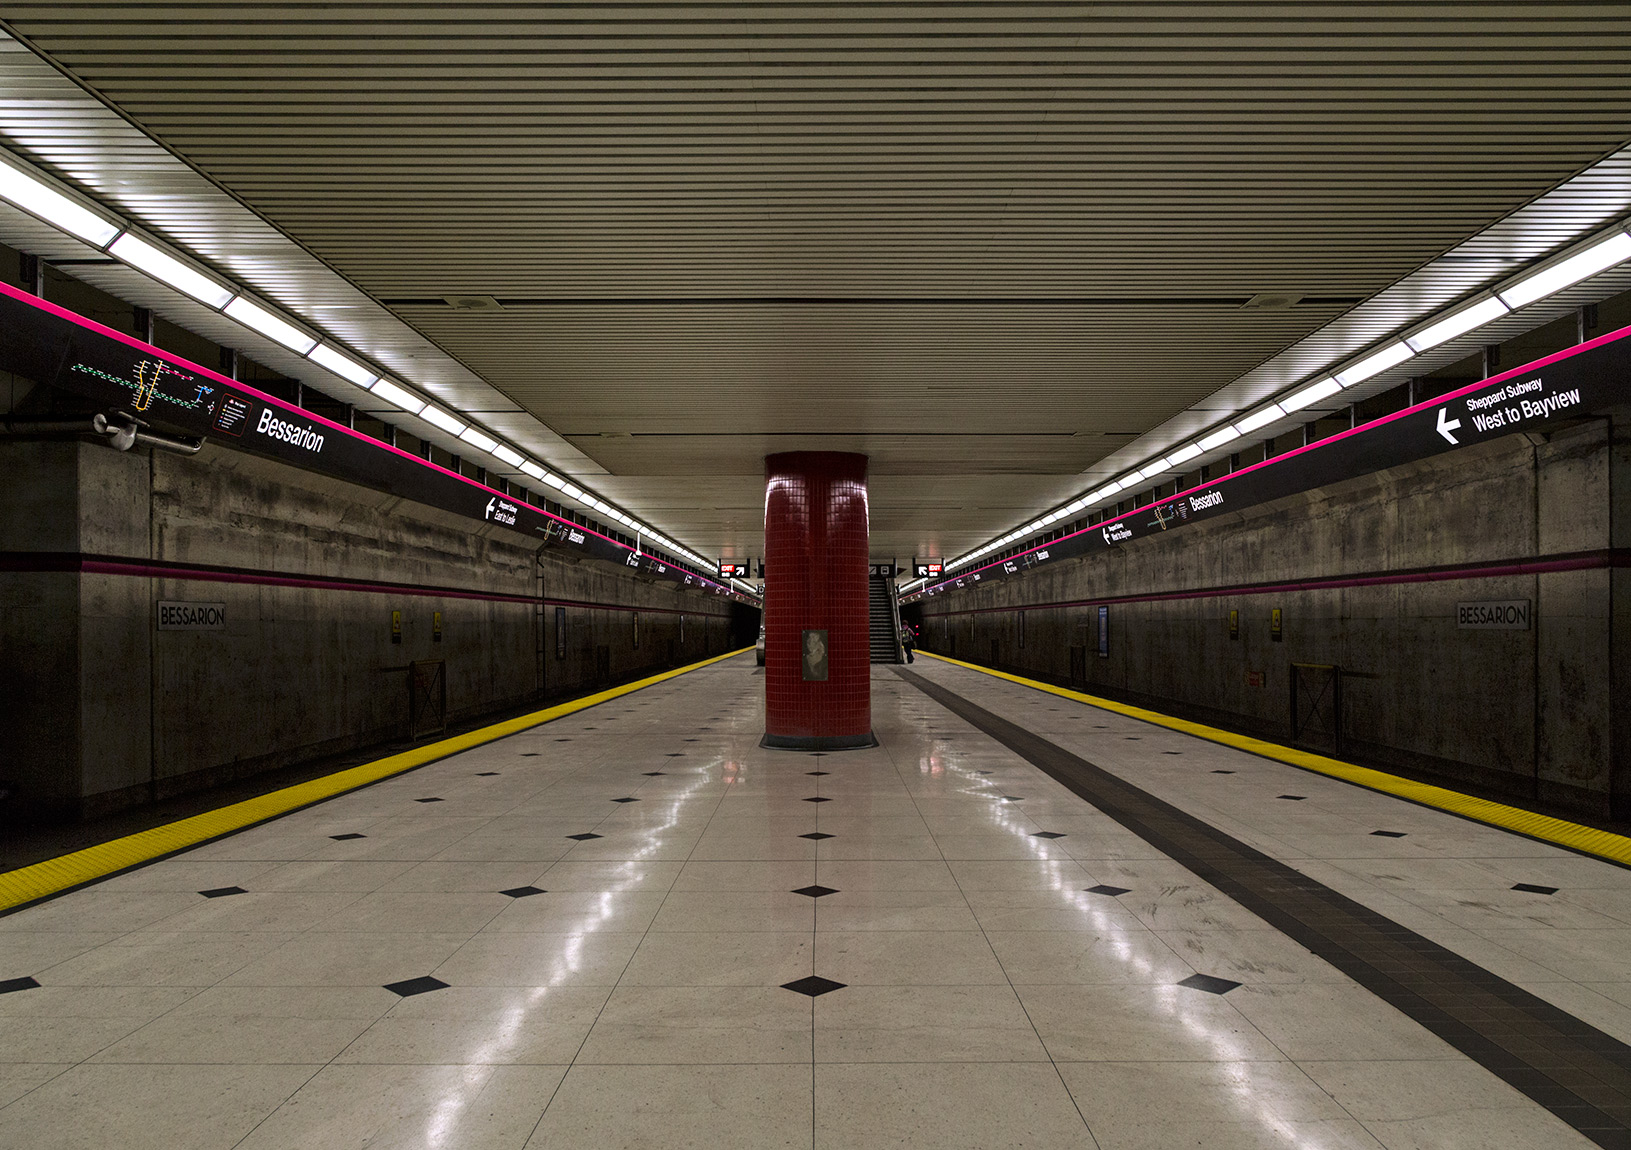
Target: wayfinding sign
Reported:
point(52, 345)
point(1581, 381)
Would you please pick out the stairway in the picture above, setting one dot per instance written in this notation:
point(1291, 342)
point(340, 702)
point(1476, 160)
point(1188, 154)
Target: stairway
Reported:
point(884, 637)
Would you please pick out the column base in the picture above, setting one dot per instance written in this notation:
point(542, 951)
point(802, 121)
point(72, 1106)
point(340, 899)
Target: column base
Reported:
point(818, 742)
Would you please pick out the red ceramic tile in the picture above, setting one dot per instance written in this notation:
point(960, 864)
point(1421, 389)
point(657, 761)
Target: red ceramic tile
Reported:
point(816, 578)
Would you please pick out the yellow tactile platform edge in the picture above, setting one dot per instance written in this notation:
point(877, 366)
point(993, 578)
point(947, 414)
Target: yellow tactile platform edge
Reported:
point(40, 880)
point(1587, 840)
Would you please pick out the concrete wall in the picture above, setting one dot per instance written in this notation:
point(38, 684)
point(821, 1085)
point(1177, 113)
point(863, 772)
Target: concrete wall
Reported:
point(1530, 713)
point(106, 710)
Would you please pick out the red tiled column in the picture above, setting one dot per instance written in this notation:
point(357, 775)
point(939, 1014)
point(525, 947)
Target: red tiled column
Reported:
point(816, 602)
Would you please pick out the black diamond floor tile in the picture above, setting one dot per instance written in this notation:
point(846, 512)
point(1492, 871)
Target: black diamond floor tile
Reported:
point(1013, 798)
point(1292, 798)
point(815, 986)
point(626, 799)
point(1105, 888)
point(432, 799)
point(347, 836)
point(523, 891)
point(653, 774)
point(818, 799)
point(1223, 772)
point(815, 891)
point(563, 740)
point(1048, 835)
point(222, 891)
point(1533, 889)
point(818, 773)
point(1389, 834)
point(412, 986)
point(11, 984)
point(676, 754)
point(985, 772)
point(817, 835)
point(1209, 983)
point(583, 838)
point(529, 754)
point(1172, 752)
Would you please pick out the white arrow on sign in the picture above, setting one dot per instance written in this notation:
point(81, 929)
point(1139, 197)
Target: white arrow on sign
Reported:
point(1447, 426)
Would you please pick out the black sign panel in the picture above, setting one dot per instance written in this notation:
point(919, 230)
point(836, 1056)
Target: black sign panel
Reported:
point(729, 569)
point(1579, 382)
point(928, 569)
point(881, 570)
point(49, 344)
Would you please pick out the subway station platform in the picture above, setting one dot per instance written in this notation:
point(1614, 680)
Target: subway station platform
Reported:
point(633, 927)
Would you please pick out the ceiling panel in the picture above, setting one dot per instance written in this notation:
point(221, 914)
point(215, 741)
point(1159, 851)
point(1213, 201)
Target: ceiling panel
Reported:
point(981, 242)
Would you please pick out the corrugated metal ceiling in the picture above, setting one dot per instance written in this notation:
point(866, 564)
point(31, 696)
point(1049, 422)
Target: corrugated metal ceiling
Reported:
point(969, 239)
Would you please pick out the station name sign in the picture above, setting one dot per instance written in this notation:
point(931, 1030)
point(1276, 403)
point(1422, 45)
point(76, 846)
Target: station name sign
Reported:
point(52, 345)
point(1493, 615)
point(178, 616)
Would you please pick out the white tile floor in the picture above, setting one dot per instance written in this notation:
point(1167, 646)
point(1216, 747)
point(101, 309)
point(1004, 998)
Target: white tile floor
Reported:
point(989, 1000)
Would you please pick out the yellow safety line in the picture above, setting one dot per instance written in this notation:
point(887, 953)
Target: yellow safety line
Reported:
point(1587, 840)
point(26, 884)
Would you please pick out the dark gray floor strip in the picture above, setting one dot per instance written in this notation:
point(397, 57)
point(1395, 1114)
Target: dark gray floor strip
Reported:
point(1568, 1066)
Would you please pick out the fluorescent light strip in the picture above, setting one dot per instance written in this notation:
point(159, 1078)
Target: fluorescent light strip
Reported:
point(1460, 323)
point(343, 366)
point(1324, 389)
point(165, 268)
point(439, 418)
point(39, 199)
point(1390, 356)
point(398, 396)
point(35, 196)
point(273, 327)
point(1598, 258)
point(1260, 418)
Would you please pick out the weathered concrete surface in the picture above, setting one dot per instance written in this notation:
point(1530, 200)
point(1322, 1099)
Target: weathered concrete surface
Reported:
point(1528, 712)
point(107, 710)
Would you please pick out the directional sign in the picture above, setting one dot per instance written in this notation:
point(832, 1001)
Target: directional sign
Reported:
point(733, 569)
point(1578, 383)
